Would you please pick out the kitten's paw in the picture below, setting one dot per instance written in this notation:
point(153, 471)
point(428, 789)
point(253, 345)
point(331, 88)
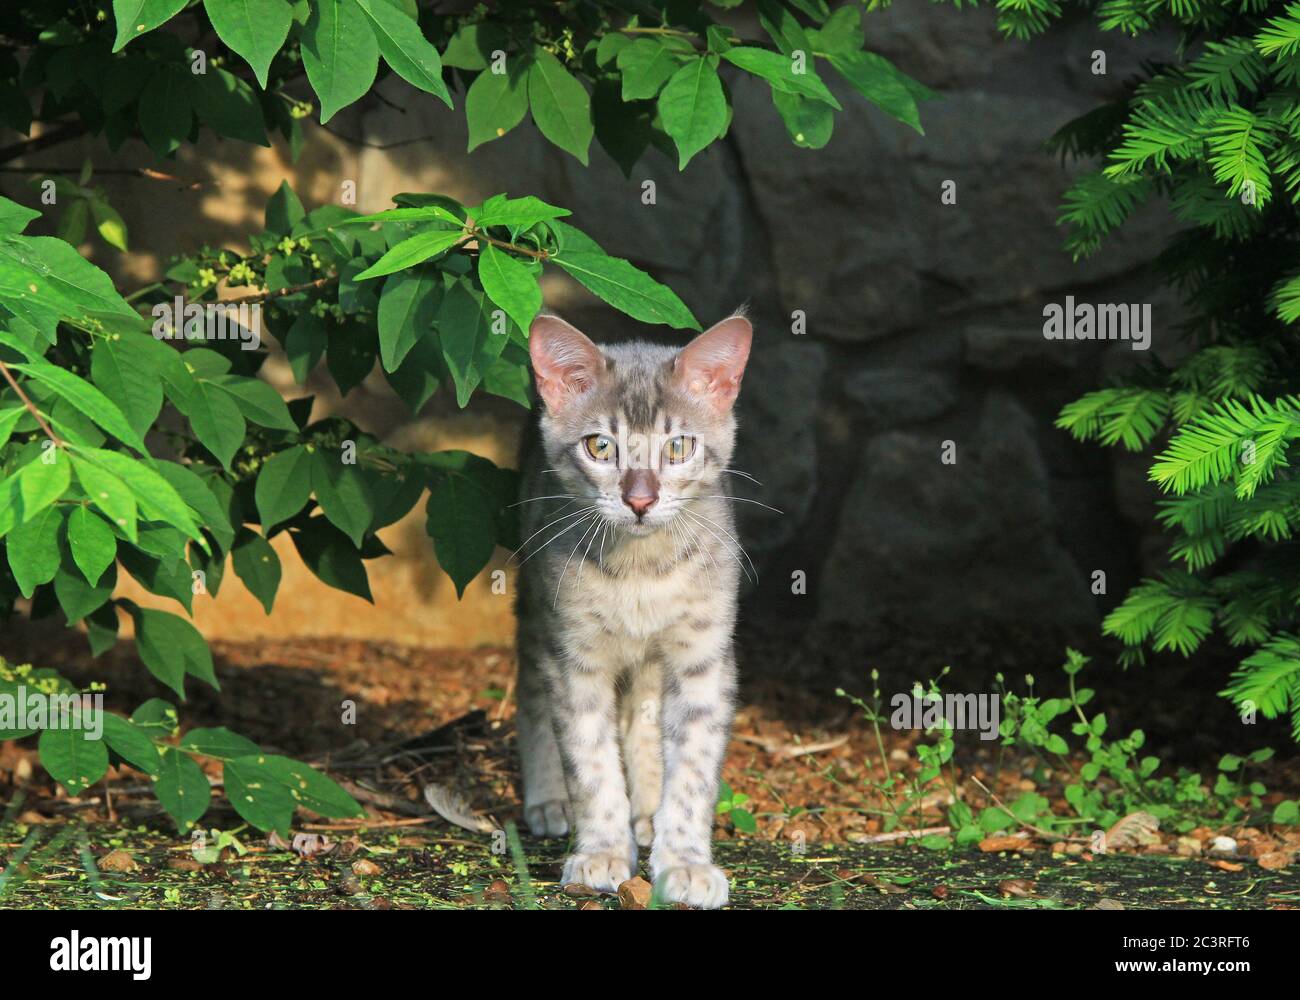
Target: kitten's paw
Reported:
point(602, 872)
point(548, 819)
point(703, 886)
point(643, 830)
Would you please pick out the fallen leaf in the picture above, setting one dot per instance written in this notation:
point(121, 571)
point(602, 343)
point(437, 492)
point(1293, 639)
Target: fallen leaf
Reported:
point(991, 845)
point(1227, 866)
point(117, 861)
point(578, 890)
point(1275, 860)
point(634, 894)
point(1189, 847)
point(364, 866)
point(1133, 830)
point(452, 807)
point(1018, 888)
point(591, 904)
point(184, 865)
point(497, 892)
point(308, 845)
point(1107, 904)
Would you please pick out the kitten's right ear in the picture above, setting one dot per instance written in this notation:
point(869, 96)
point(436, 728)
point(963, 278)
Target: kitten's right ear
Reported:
point(565, 362)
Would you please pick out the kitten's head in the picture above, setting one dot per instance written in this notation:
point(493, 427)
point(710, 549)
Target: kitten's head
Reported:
point(638, 429)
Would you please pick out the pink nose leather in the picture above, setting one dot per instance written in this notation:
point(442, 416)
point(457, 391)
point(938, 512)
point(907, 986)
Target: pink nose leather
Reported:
point(640, 490)
point(640, 504)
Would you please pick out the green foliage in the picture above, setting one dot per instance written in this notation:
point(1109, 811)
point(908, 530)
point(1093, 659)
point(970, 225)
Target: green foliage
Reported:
point(136, 437)
point(1216, 132)
point(630, 75)
point(1108, 778)
point(432, 290)
point(78, 741)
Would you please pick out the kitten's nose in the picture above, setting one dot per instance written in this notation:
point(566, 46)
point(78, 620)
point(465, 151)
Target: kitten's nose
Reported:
point(640, 490)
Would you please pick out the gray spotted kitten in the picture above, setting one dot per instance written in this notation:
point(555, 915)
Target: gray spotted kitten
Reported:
point(627, 603)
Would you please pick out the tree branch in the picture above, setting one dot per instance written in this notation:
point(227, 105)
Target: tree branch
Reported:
point(31, 407)
point(54, 137)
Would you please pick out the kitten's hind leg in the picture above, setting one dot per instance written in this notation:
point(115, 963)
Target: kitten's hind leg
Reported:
point(546, 799)
point(643, 747)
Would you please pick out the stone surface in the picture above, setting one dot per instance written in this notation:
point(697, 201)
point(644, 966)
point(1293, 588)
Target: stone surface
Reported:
point(948, 544)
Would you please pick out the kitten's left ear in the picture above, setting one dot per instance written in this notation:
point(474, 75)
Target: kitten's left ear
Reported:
point(712, 365)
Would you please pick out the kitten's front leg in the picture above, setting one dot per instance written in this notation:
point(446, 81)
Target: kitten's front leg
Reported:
point(697, 713)
point(584, 710)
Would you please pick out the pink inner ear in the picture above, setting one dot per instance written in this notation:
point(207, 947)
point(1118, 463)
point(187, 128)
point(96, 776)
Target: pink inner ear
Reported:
point(713, 364)
point(565, 362)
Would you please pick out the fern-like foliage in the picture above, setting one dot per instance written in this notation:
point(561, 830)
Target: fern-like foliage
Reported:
point(1214, 131)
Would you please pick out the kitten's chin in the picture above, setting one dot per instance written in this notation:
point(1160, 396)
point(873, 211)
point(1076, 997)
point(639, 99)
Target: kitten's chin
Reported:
point(639, 529)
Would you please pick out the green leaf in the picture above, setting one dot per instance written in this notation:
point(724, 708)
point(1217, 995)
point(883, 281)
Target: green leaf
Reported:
point(283, 486)
point(693, 108)
point(876, 79)
point(520, 213)
point(510, 285)
point(165, 113)
point(329, 554)
point(33, 550)
point(216, 420)
point(8, 419)
point(304, 344)
point(781, 72)
point(228, 106)
point(414, 250)
point(342, 494)
point(218, 742)
point(132, 743)
point(624, 286)
point(340, 54)
point(108, 223)
point(473, 45)
point(560, 104)
point(91, 542)
point(77, 598)
point(182, 788)
point(311, 789)
point(257, 795)
point(199, 496)
point(155, 496)
point(72, 760)
point(809, 122)
point(405, 49)
point(468, 345)
point(134, 17)
point(461, 520)
point(171, 648)
point(494, 104)
point(1287, 812)
point(14, 217)
point(35, 486)
point(255, 29)
point(647, 64)
point(407, 307)
point(257, 565)
point(123, 367)
point(283, 210)
point(86, 398)
point(257, 401)
point(44, 280)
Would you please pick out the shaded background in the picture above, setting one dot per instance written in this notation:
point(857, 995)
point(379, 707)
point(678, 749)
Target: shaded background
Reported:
point(923, 326)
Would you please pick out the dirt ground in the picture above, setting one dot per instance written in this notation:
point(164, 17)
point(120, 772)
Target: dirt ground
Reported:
point(444, 718)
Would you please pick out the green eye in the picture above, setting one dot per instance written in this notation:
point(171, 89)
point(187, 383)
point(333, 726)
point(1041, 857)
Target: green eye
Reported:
point(679, 449)
point(600, 447)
